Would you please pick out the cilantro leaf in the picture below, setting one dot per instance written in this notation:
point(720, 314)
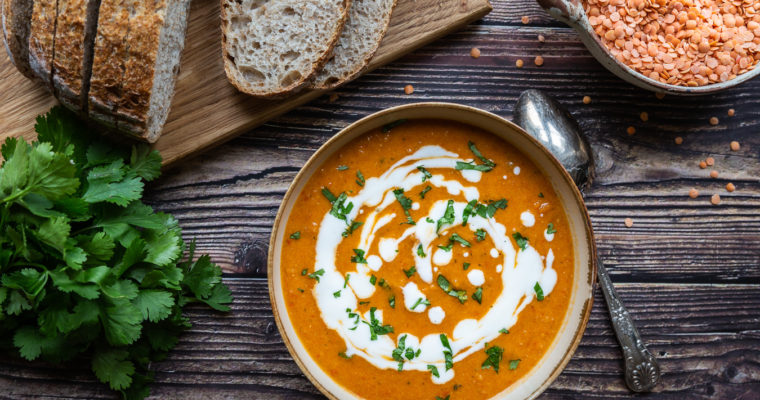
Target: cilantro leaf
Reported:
point(522, 241)
point(495, 354)
point(154, 305)
point(447, 218)
point(114, 368)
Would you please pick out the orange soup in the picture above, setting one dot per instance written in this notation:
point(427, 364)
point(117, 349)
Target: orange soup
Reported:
point(427, 259)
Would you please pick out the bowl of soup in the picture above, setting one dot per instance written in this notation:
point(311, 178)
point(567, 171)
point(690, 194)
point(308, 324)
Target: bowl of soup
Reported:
point(428, 251)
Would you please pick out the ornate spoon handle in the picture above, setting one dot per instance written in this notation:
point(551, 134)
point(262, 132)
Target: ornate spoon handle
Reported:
point(642, 372)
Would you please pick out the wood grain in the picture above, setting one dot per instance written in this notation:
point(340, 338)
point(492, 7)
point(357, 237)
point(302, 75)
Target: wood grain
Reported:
point(207, 110)
point(706, 351)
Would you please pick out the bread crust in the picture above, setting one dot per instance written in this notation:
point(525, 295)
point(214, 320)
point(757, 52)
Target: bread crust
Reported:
point(16, 21)
point(68, 71)
point(294, 87)
point(42, 40)
point(109, 55)
point(367, 58)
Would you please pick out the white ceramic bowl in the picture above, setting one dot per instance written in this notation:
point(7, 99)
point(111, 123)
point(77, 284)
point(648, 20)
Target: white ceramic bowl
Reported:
point(541, 376)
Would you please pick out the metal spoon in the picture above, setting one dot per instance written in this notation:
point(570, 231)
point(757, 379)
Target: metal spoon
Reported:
point(546, 120)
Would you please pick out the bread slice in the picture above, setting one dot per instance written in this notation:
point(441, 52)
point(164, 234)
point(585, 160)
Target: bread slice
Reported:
point(42, 40)
point(108, 58)
point(156, 39)
point(274, 47)
point(365, 27)
point(75, 32)
point(16, 19)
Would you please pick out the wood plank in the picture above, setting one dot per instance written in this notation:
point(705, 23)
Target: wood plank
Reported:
point(707, 349)
point(207, 110)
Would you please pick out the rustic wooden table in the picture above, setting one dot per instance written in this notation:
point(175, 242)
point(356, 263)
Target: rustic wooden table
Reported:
point(689, 271)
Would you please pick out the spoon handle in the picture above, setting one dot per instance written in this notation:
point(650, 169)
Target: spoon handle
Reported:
point(642, 372)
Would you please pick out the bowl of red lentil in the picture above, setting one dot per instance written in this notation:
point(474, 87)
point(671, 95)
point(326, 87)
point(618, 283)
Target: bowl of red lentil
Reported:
point(686, 47)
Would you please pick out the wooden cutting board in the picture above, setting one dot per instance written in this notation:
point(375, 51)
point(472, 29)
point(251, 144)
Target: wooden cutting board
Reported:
point(207, 110)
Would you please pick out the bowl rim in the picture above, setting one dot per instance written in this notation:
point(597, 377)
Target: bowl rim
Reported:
point(577, 198)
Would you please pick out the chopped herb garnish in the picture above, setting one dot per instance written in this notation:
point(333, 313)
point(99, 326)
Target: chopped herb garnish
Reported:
point(447, 247)
point(541, 195)
point(300, 290)
point(494, 358)
point(539, 292)
point(373, 280)
point(521, 240)
point(336, 294)
point(328, 195)
point(469, 210)
point(465, 266)
point(478, 295)
point(316, 274)
point(456, 238)
point(429, 220)
point(374, 326)
point(471, 165)
point(342, 354)
point(295, 235)
point(444, 284)
point(406, 204)
point(457, 386)
point(362, 303)
point(342, 167)
point(345, 282)
point(448, 354)
point(424, 191)
point(359, 257)
point(410, 354)
point(425, 174)
point(387, 127)
point(359, 178)
point(421, 251)
point(489, 210)
point(392, 301)
point(443, 398)
point(480, 235)
point(410, 272)
point(477, 153)
point(398, 352)
point(338, 210)
point(383, 284)
point(433, 370)
point(550, 229)
point(448, 216)
point(351, 228)
point(504, 331)
point(304, 271)
point(421, 300)
point(513, 364)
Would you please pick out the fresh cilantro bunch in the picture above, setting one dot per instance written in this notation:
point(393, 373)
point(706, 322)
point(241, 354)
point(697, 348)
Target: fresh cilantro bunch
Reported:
point(86, 268)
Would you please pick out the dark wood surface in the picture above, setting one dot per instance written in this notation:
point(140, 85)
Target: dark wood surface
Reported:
point(689, 271)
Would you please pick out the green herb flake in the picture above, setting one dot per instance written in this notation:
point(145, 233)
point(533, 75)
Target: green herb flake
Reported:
point(433, 370)
point(448, 397)
point(392, 301)
point(465, 266)
point(541, 195)
point(345, 281)
point(383, 284)
point(448, 216)
point(342, 167)
point(304, 271)
point(424, 191)
point(388, 127)
point(342, 354)
point(316, 274)
point(398, 353)
point(495, 354)
point(448, 247)
point(458, 239)
point(406, 205)
point(373, 280)
point(360, 178)
point(550, 229)
point(469, 210)
point(421, 251)
point(425, 174)
point(358, 257)
point(471, 165)
point(478, 295)
point(513, 364)
point(410, 272)
point(480, 156)
point(300, 290)
point(522, 241)
point(295, 235)
point(336, 294)
point(354, 225)
point(363, 303)
point(421, 300)
point(504, 331)
point(539, 292)
point(448, 354)
point(444, 284)
point(480, 235)
point(374, 326)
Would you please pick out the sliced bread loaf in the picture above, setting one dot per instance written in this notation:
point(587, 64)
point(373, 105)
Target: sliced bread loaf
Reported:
point(42, 40)
point(75, 32)
point(366, 25)
point(156, 39)
point(274, 47)
point(15, 20)
point(108, 57)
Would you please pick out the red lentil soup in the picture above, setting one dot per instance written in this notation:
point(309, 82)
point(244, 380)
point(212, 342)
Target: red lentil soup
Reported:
point(427, 258)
